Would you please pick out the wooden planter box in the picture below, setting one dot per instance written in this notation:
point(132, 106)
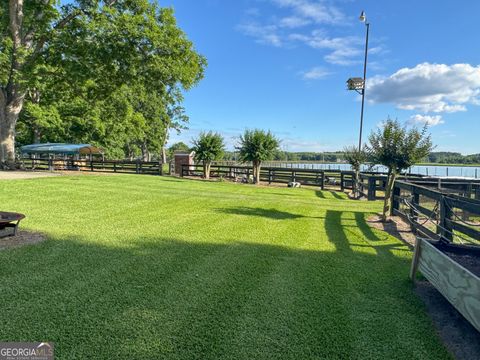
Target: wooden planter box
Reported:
point(457, 284)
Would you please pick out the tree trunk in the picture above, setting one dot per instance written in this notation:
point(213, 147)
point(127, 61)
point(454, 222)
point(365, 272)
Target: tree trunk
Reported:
point(356, 188)
point(37, 135)
point(9, 111)
point(164, 155)
point(388, 195)
point(257, 173)
point(206, 170)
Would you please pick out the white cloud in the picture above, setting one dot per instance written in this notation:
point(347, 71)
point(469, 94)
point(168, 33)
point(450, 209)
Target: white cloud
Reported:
point(428, 88)
point(316, 11)
point(430, 120)
point(345, 50)
point(293, 22)
point(315, 73)
point(264, 34)
point(304, 21)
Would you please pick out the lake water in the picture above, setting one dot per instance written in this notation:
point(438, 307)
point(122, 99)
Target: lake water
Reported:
point(430, 170)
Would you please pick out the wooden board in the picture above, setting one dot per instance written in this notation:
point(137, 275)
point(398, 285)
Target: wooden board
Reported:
point(459, 286)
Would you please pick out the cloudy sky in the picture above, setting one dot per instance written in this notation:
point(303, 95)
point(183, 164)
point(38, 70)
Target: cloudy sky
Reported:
point(282, 65)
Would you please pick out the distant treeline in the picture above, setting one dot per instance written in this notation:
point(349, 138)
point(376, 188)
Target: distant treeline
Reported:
point(439, 157)
point(443, 157)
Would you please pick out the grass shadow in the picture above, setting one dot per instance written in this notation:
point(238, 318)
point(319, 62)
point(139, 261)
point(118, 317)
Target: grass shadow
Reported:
point(155, 297)
point(261, 212)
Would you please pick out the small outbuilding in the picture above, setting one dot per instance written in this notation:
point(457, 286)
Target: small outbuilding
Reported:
point(183, 158)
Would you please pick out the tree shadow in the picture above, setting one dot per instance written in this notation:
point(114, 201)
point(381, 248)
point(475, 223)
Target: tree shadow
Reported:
point(370, 236)
point(266, 213)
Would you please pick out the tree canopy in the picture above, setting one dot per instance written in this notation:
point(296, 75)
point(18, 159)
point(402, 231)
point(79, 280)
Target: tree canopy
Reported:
point(397, 148)
point(112, 73)
point(208, 147)
point(257, 146)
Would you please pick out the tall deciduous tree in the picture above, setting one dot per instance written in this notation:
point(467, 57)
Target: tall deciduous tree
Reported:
point(94, 47)
point(257, 146)
point(208, 147)
point(397, 148)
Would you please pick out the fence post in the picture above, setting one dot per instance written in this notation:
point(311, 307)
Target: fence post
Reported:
point(341, 181)
point(413, 213)
point(91, 165)
point(50, 164)
point(269, 176)
point(395, 205)
point(445, 229)
point(372, 188)
point(322, 180)
point(160, 168)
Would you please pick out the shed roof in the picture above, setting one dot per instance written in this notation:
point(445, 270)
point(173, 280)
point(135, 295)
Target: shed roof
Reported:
point(60, 148)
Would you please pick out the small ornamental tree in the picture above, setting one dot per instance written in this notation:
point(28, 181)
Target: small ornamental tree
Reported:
point(355, 157)
point(257, 146)
point(208, 147)
point(397, 148)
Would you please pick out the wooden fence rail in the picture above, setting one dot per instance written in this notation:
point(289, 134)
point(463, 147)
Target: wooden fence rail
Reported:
point(436, 214)
point(106, 166)
point(314, 177)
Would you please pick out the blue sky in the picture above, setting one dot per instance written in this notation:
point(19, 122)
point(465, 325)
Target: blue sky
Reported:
point(282, 65)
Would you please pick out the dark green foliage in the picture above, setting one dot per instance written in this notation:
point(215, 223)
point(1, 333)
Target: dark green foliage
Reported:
point(208, 147)
point(257, 146)
point(110, 73)
point(179, 146)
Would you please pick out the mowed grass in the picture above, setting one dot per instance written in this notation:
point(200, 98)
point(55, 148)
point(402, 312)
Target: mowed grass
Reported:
point(139, 267)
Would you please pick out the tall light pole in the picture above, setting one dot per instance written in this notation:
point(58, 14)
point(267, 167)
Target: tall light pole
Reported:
point(363, 18)
point(358, 84)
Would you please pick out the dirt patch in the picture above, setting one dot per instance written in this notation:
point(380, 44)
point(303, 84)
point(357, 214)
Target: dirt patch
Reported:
point(23, 238)
point(13, 175)
point(395, 227)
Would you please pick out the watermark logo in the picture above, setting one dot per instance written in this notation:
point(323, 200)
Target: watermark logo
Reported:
point(26, 351)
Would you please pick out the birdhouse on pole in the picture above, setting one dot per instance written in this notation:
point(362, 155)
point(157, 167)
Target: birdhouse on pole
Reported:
point(356, 84)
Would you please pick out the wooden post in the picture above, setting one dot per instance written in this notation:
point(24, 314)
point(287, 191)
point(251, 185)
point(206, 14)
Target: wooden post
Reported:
point(416, 256)
point(322, 180)
point(372, 188)
point(342, 179)
point(269, 176)
point(91, 165)
point(395, 203)
point(445, 229)
point(114, 166)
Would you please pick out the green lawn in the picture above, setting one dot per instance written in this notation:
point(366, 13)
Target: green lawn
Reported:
point(140, 267)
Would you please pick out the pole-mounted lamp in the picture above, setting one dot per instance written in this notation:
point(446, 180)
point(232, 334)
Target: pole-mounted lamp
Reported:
point(358, 84)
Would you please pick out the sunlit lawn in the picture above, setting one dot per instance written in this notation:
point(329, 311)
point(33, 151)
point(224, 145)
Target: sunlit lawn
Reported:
point(140, 267)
